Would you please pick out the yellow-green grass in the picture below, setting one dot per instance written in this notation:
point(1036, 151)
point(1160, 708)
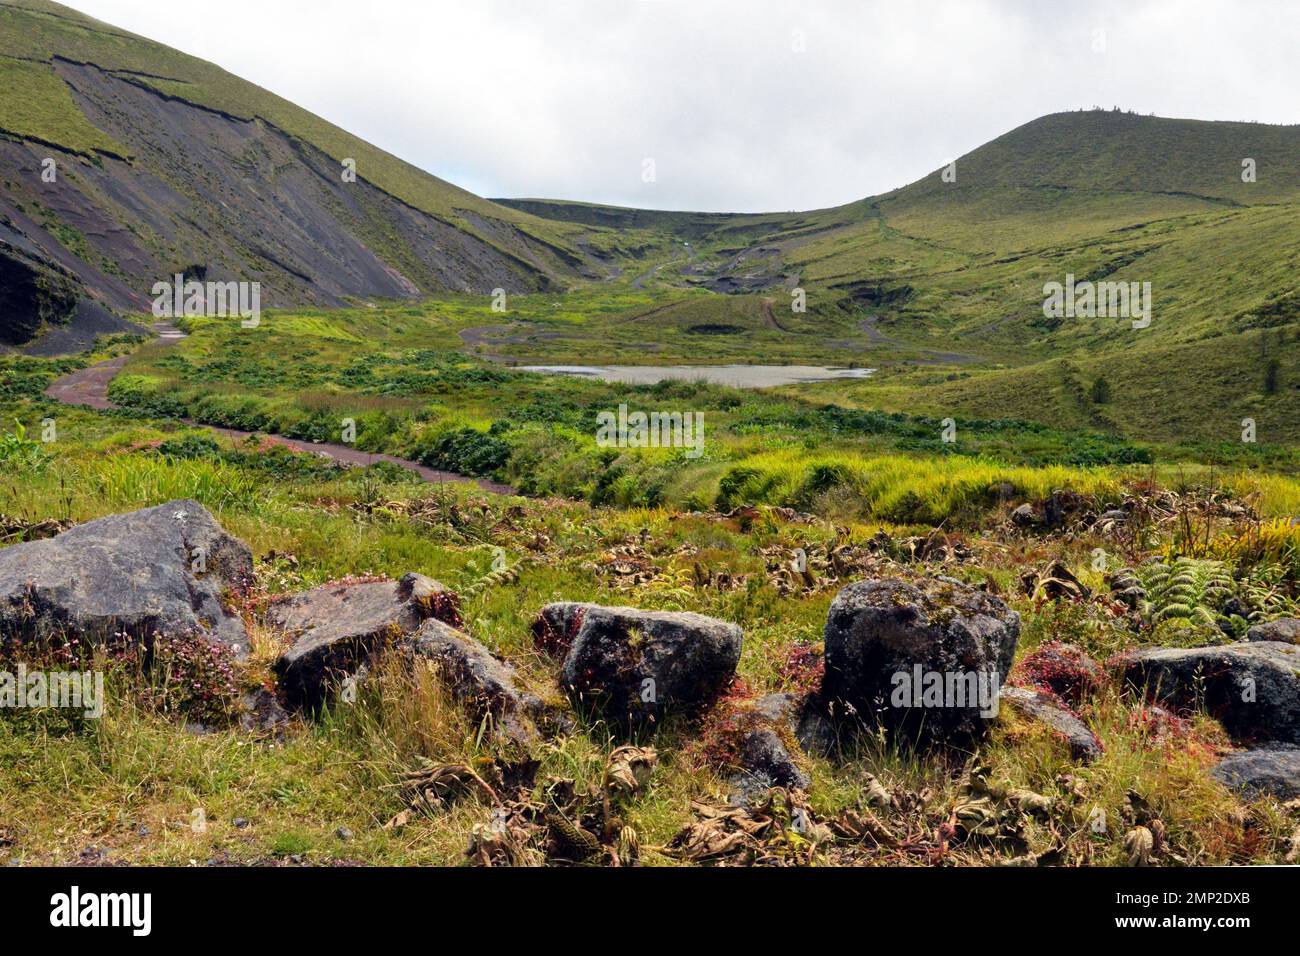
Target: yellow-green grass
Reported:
point(1183, 394)
point(38, 105)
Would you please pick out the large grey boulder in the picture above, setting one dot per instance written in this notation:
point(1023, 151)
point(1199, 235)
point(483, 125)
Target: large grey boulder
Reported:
point(1265, 771)
point(1253, 688)
point(482, 683)
point(167, 570)
point(1285, 630)
point(334, 630)
point(926, 659)
point(634, 665)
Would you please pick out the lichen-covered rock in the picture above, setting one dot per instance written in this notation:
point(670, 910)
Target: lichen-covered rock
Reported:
point(758, 739)
point(1265, 771)
point(1253, 688)
point(484, 684)
point(1285, 630)
point(1041, 707)
point(926, 659)
point(633, 665)
point(335, 629)
point(167, 570)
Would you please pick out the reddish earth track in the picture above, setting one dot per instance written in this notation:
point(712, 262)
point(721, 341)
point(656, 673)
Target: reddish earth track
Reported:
point(89, 387)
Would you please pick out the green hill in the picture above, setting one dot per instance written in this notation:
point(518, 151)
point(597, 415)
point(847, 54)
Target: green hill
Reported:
point(940, 284)
point(170, 164)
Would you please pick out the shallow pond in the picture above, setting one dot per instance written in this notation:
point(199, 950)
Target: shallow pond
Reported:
point(736, 376)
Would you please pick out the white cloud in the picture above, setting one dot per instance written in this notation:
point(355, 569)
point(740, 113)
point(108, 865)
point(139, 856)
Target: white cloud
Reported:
point(566, 98)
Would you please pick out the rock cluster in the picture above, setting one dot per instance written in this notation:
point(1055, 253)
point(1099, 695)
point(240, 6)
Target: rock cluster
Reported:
point(925, 659)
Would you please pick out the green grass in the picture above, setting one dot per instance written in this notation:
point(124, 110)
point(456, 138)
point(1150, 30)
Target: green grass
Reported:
point(950, 279)
point(131, 783)
point(452, 411)
point(38, 105)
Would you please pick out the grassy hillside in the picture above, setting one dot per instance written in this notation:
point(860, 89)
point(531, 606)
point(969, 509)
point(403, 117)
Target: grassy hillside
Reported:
point(941, 284)
point(38, 106)
point(36, 30)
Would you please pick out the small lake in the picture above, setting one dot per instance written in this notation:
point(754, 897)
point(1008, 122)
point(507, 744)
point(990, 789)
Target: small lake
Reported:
point(736, 376)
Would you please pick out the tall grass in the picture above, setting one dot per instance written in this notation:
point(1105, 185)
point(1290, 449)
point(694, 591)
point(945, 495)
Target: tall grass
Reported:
point(899, 488)
point(1279, 495)
point(143, 481)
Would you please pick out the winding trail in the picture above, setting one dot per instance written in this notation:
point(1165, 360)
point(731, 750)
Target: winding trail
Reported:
point(89, 387)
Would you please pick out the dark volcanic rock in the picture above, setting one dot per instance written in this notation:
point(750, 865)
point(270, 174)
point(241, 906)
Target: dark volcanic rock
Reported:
point(1026, 517)
point(31, 295)
point(486, 685)
point(1084, 745)
point(164, 570)
point(1285, 630)
point(335, 629)
point(890, 643)
point(1272, 771)
point(262, 712)
point(633, 664)
point(1062, 508)
point(310, 240)
point(815, 730)
point(762, 733)
point(1253, 688)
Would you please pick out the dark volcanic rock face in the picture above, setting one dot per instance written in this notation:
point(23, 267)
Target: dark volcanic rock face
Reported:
point(765, 731)
point(336, 629)
point(1272, 771)
point(485, 685)
point(634, 665)
point(927, 659)
point(243, 201)
point(162, 571)
point(1253, 688)
point(26, 300)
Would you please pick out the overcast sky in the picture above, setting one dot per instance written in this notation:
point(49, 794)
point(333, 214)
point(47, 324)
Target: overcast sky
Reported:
point(743, 105)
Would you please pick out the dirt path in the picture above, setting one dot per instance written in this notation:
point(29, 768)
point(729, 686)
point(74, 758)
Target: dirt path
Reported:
point(89, 387)
point(769, 316)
